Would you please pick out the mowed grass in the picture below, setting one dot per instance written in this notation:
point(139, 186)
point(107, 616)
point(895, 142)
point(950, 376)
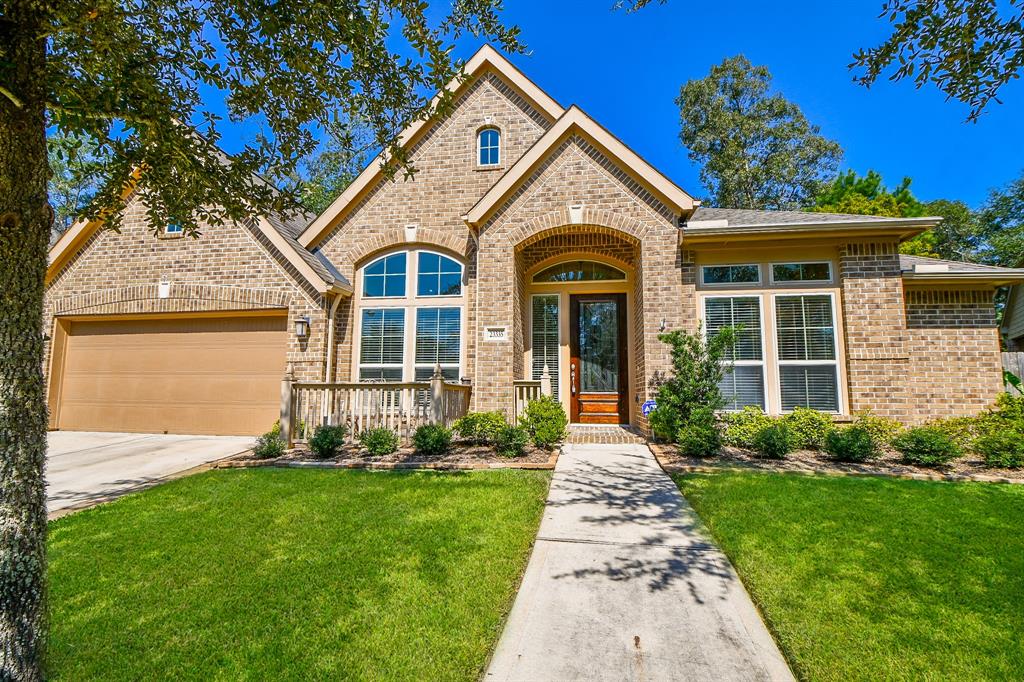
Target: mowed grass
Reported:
point(292, 574)
point(871, 579)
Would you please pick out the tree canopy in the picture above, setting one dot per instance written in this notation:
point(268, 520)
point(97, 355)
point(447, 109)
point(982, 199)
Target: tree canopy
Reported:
point(756, 149)
point(77, 174)
point(969, 49)
point(133, 81)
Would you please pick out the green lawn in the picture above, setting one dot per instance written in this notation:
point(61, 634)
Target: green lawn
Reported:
point(292, 574)
point(868, 578)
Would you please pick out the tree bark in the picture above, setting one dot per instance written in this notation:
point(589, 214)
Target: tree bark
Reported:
point(25, 220)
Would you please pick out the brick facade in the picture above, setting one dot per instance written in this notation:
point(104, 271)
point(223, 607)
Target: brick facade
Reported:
point(909, 354)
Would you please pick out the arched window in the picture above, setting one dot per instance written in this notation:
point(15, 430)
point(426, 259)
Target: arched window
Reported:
point(415, 326)
point(489, 147)
point(579, 271)
point(385, 277)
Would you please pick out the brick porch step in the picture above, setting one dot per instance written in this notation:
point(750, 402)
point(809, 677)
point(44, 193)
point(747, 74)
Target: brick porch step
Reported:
point(581, 434)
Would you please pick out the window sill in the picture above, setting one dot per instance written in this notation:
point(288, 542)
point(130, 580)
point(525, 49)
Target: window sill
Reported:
point(485, 169)
point(173, 235)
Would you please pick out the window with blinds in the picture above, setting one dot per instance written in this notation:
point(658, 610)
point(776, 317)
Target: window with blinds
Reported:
point(806, 346)
point(545, 338)
point(438, 339)
point(381, 344)
point(744, 384)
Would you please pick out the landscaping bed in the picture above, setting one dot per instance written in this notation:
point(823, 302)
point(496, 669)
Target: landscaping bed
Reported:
point(292, 574)
point(887, 463)
point(460, 456)
point(866, 578)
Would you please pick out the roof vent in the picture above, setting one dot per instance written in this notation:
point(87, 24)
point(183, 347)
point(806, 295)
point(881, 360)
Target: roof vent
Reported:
point(931, 267)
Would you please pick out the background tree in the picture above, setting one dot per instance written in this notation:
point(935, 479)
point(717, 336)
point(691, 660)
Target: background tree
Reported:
point(76, 165)
point(130, 75)
point(756, 149)
point(968, 48)
point(347, 150)
point(1001, 226)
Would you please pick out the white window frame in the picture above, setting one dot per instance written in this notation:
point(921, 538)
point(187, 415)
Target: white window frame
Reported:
point(480, 146)
point(544, 268)
point(414, 314)
point(801, 282)
point(409, 305)
point(558, 341)
point(763, 362)
point(178, 230)
point(779, 363)
point(416, 277)
point(724, 285)
point(362, 277)
point(360, 365)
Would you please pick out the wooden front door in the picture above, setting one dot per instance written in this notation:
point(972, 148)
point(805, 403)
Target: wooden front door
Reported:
point(597, 369)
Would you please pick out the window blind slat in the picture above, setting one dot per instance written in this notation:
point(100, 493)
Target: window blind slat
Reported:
point(545, 338)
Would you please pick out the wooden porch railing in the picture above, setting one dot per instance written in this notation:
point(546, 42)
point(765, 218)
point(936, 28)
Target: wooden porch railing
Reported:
point(400, 406)
point(525, 390)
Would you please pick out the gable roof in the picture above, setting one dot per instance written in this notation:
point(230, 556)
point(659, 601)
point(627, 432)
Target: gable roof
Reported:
point(575, 121)
point(486, 58)
point(280, 231)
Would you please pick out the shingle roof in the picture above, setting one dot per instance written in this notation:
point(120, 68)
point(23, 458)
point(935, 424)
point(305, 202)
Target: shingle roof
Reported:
point(741, 217)
point(290, 228)
point(908, 263)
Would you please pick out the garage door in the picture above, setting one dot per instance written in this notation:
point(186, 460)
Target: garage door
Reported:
point(203, 375)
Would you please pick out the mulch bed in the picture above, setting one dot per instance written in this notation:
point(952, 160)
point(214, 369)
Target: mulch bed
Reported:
point(461, 456)
point(969, 468)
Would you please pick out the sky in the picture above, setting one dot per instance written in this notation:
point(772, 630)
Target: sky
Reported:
point(625, 70)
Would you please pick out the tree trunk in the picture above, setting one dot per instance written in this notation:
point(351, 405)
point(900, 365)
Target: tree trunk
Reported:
point(25, 219)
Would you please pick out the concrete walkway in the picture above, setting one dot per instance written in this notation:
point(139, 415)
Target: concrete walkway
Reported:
point(623, 586)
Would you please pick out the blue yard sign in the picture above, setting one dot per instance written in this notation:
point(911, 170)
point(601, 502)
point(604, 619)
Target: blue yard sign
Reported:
point(648, 407)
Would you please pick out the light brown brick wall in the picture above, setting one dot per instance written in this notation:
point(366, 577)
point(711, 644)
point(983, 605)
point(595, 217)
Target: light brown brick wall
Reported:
point(953, 344)
point(875, 327)
point(447, 184)
point(229, 267)
point(613, 204)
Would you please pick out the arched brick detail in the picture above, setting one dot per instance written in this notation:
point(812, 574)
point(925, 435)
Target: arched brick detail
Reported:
point(459, 243)
point(145, 298)
point(592, 220)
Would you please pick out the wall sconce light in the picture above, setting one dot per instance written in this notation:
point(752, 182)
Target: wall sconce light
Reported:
point(302, 327)
point(664, 325)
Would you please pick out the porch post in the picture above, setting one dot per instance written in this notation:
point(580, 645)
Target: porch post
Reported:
point(545, 381)
point(286, 405)
point(437, 396)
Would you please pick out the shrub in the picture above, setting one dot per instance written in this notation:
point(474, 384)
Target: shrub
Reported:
point(881, 429)
point(809, 428)
point(379, 441)
point(432, 440)
point(480, 427)
point(774, 441)
point(1004, 449)
point(741, 427)
point(327, 440)
point(545, 421)
point(700, 436)
point(963, 430)
point(851, 444)
point(511, 441)
point(698, 366)
point(926, 446)
point(269, 445)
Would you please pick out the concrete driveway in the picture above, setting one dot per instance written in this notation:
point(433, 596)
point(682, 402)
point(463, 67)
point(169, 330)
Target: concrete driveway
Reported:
point(623, 584)
point(84, 467)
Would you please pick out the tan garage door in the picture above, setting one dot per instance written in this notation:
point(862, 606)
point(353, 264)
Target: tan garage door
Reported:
point(204, 375)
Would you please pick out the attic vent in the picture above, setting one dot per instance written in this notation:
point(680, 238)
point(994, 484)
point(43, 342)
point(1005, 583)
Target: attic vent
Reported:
point(931, 267)
point(410, 232)
point(575, 213)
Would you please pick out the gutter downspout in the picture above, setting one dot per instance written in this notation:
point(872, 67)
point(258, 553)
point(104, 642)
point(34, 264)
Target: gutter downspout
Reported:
point(331, 318)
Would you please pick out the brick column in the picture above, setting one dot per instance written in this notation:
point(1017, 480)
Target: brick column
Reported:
point(877, 359)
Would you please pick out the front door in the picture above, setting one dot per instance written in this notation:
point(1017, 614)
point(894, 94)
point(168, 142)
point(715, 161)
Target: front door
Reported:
point(597, 368)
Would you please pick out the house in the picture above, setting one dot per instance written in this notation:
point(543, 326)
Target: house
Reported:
point(1013, 320)
point(531, 238)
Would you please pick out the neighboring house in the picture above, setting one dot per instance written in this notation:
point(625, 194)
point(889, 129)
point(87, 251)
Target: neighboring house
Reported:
point(530, 237)
point(1013, 320)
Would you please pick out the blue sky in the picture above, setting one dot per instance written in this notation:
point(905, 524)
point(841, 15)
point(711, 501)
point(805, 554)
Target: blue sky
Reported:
point(625, 70)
